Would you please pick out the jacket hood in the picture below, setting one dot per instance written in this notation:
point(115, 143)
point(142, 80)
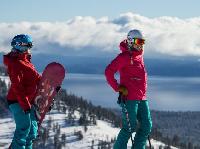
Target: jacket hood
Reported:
point(123, 47)
point(16, 56)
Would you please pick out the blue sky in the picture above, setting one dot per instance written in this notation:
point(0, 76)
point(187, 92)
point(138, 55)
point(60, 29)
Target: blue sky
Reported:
point(61, 10)
point(72, 27)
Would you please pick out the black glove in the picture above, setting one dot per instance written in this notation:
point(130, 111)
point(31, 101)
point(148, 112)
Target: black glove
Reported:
point(58, 88)
point(51, 106)
point(120, 98)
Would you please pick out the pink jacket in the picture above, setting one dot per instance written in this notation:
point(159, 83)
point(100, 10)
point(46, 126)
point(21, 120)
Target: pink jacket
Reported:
point(132, 72)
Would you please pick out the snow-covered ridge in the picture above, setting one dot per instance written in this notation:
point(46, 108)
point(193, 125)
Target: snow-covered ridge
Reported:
point(6, 79)
point(102, 131)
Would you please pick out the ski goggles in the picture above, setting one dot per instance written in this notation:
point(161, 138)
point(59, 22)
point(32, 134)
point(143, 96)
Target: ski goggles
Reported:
point(29, 45)
point(137, 41)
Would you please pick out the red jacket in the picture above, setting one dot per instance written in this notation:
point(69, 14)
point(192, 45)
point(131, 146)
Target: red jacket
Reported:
point(132, 72)
point(24, 79)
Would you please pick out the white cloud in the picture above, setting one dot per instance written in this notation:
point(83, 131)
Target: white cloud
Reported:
point(164, 35)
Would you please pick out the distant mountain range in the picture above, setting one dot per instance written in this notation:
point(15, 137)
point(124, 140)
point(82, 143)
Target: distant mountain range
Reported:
point(173, 66)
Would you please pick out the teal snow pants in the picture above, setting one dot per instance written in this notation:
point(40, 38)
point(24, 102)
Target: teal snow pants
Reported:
point(140, 118)
point(26, 127)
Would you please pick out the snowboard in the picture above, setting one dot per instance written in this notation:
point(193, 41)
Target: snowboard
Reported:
point(49, 85)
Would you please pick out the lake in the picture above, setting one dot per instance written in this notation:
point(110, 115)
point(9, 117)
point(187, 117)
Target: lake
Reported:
point(164, 93)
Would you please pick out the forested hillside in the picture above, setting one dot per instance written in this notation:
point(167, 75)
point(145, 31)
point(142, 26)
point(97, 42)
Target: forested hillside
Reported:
point(181, 129)
point(3, 104)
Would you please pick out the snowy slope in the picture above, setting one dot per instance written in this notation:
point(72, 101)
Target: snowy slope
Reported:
point(6, 79)
point(102, 131)
point(7, 127)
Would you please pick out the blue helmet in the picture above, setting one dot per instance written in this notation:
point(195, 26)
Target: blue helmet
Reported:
point(22, 43)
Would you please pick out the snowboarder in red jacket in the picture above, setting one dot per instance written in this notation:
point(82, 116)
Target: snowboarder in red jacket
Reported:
point(24, 80)
point(132, 87)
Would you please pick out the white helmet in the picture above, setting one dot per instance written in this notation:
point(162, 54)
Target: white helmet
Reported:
point(133, 37)
point(135, 34)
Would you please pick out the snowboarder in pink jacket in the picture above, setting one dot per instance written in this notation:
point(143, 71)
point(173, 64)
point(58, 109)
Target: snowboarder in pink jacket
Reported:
point(132, 86)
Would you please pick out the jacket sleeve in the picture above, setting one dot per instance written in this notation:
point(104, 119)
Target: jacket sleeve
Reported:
point(38, 77)
point(110, 71)
point(16, 76)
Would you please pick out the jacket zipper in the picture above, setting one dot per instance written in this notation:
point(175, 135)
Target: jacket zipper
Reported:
point(131, 60)
point(131, 56)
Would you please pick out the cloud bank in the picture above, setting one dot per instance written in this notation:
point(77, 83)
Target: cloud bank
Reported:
point(91, 36)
